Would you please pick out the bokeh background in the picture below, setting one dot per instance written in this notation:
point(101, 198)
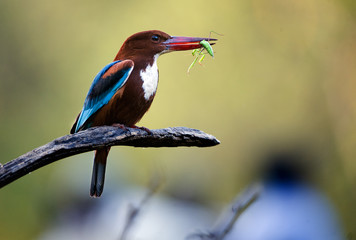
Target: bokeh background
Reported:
point(283, 77)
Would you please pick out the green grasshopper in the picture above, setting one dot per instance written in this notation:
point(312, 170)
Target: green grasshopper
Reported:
point(200, 52)
point(206, 45)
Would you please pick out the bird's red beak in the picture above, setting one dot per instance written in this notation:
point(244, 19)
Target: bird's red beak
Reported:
point(185, 43)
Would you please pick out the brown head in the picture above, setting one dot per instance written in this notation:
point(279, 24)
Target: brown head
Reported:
point(147, 44)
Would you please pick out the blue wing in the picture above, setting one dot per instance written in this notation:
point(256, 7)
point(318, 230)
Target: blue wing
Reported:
point(110, 79)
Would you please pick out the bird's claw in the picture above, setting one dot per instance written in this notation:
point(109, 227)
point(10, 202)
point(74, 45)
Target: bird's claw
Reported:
point(119, 125)
point(144, 129)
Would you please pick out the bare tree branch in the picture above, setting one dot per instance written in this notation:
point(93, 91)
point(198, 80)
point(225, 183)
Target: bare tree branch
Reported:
point(97, 137)
point(228, 220)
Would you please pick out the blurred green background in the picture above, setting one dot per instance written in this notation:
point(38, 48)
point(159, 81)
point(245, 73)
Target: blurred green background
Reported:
point(283, 75)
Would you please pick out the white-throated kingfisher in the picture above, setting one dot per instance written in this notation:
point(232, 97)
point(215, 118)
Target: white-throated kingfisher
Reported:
point(123, 90)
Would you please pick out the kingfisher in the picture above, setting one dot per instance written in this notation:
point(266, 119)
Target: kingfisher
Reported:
point(123, 91)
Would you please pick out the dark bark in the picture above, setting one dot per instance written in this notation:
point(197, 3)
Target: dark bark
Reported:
point(97, 137)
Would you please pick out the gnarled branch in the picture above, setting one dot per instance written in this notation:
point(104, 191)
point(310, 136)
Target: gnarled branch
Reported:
point(227, 222)
point(97, 137)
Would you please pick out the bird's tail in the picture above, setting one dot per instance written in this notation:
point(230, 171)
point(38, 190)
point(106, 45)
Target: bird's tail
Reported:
point(98, 176)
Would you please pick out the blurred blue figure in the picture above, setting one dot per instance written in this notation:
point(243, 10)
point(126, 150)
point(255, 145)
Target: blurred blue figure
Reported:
point(288, 208)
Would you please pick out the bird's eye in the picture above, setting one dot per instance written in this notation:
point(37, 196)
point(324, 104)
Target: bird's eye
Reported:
point(155, 38)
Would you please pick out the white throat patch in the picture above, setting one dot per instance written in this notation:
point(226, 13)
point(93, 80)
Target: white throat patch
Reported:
point(149, 77)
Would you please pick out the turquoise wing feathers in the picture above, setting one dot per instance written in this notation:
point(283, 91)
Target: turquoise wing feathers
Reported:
point(103, 89)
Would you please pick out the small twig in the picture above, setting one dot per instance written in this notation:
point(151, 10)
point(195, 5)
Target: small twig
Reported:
point(242, 202)
point(98, 137)
point(154, 185)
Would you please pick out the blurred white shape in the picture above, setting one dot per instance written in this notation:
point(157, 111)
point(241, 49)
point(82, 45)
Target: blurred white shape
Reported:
point(288, 211)
point(161, 218)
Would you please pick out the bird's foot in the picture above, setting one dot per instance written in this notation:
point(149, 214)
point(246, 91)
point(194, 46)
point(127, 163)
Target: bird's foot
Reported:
point(119, 125)
point(144, 129)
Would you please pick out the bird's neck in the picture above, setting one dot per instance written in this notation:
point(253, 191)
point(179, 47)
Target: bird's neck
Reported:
point(146, 69)
point(149, 77)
